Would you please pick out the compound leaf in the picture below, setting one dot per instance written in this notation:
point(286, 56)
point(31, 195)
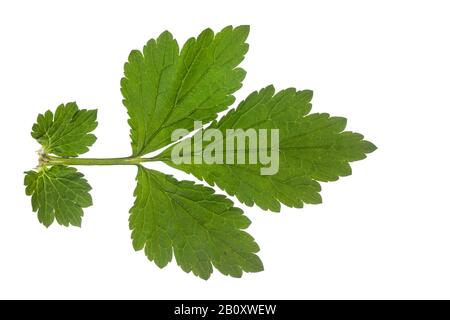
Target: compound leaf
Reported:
point(67, 132)
point(58, 192)
point(166, 89)
point(200, 228)
point(312, 148)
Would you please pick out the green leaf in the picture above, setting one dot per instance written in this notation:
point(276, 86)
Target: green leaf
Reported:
point(200, 228)
point(58, 192)
point(66, 133)
point(165, 89)
point(312, 148)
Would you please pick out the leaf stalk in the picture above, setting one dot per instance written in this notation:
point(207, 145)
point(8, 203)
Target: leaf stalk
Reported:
point(52, 160)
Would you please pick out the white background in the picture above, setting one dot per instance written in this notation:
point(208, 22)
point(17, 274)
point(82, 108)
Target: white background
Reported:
point(383, 232)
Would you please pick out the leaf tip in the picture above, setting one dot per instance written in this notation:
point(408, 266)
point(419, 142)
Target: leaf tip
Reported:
point(245, 29)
